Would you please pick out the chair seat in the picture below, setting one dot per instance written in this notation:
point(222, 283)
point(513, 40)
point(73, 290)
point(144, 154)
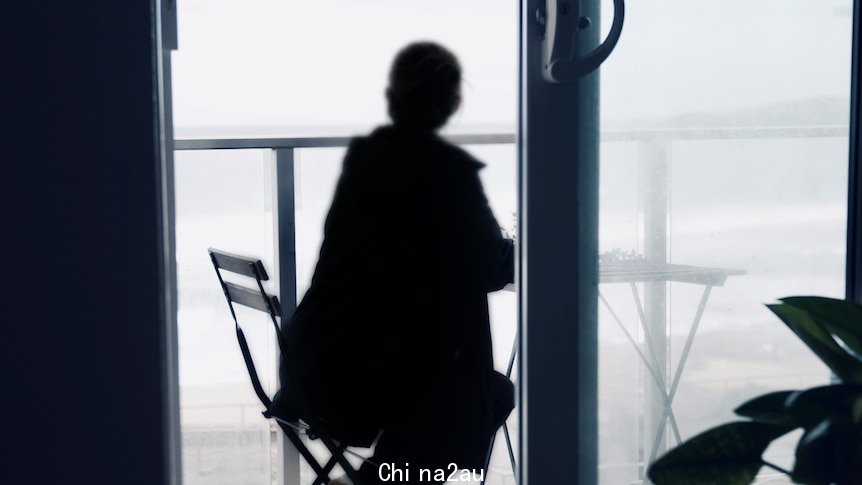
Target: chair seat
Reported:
point(287, 407)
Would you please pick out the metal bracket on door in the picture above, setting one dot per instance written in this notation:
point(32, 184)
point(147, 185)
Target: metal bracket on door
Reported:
point(563, 21)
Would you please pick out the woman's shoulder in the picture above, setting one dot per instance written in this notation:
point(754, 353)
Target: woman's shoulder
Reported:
point(457, 154)
point(375, 142)
point(388, 139)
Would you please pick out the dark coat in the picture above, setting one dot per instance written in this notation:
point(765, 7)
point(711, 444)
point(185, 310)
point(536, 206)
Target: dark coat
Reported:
point(394, 329)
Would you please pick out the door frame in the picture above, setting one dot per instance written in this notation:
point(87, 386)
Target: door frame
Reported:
point(558, 142)
point(854, 180)
point(165, 13)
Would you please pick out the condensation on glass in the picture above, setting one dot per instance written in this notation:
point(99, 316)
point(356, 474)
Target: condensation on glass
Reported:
point(723, 188)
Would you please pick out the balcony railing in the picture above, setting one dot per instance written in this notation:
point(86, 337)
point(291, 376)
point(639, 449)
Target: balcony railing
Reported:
point(654, 152)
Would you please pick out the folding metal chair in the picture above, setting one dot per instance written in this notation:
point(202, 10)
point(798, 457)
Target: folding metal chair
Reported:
point(258, 299)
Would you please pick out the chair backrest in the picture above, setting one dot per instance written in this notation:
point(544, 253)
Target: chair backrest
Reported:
point(257, 299)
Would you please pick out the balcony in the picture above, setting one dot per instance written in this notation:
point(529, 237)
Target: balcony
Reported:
point(710, 197)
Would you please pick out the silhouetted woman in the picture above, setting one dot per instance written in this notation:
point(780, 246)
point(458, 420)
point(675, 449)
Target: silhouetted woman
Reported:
point(393, 333)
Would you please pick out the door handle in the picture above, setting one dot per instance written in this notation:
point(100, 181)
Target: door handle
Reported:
point(563, 22)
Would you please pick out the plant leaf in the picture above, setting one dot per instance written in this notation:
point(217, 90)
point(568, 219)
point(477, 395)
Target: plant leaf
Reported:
point(845, 366)
point(856, 411)
point(725, 455)
point(829, 453)
point(768, 408)
point(811, 407)
point(841, 317)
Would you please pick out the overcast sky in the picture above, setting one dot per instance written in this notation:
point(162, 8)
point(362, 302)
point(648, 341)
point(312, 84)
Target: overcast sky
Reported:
point(324, 63)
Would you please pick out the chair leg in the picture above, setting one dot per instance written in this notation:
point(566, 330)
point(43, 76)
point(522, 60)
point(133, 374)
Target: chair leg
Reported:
point(337, 452)
point(488, 458)
point(327, 469)
point(321, 473)
point(511, 453)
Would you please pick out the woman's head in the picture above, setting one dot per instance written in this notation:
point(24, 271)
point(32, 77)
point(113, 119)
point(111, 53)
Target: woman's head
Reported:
point(424, 86)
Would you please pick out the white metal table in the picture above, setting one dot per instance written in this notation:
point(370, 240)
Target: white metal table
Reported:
point(641, 271)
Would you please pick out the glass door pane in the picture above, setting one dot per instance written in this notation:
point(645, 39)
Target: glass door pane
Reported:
point(723, 187)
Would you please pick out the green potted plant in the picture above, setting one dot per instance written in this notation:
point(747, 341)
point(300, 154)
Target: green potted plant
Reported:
point(830, 449)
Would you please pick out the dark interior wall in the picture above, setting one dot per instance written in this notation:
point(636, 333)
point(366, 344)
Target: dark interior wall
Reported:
point(81, 323)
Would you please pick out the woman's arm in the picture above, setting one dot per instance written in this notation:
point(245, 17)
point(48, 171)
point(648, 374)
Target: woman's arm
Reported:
point(483, 250)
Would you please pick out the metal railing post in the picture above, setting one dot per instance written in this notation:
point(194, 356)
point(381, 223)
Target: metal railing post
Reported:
point(282, 185)
point(654, 160)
